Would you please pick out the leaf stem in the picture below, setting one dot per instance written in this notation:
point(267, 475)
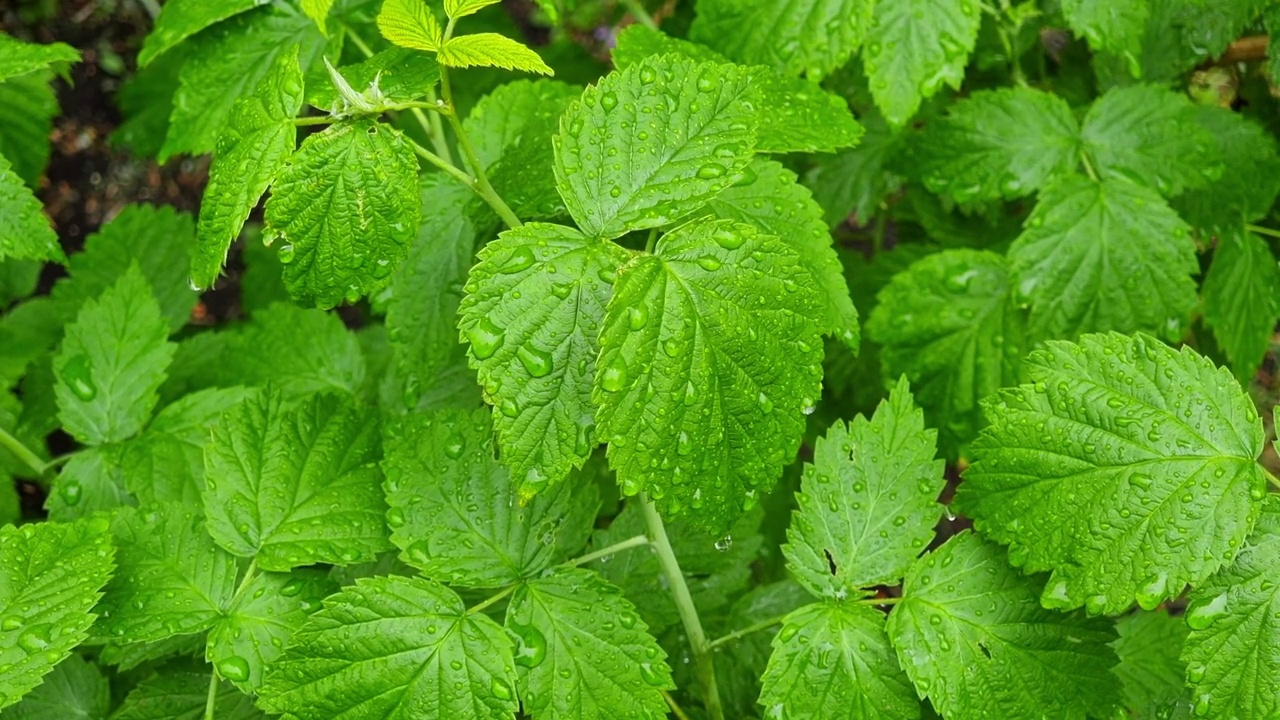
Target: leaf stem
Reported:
point(704, 662)
point(444, 165)
point(356, 40)
point(211, 701)
point(1275, 482)
point(613, 549)
point(1262, 230)
point(481, 184)
point(23, 453)
point(652, 243)
point(748, 630)
point(640, 15)
point(491, 599)
point(675, 707)
point(314, 120)
point(1088, 166)
point(433, 127)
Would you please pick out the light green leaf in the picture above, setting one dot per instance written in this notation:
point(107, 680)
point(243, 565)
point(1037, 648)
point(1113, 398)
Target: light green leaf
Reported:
point(1151, 675)
point(75, 689)
point(26, 122)
point(582, 651)
point(50, 575)
point(19, 58)
point(810, 37)
point(491, 50)
point(532, 314)
point(25, 232)
point(226, 64)
point(462, 8)
point(401, 76)
point(410, 24)
point(833, 661)
point(18, 280)
point(1246, 191)
point(689, 133)
point(743, 661)
point(867, 503)
point(975, 642)
point(126, 656)
point(145, 100)
point(156, 239)
point(301, 351)
point(769, 198)
point(1242, 299)
point(711, 356)
point(259, 621)
point(180, 19)
point(91, 481)
point(166, 462)
point(454, 510)
point(182, 696)
point(318, 10)
point(391, 645)
point(1234, 645)
point(112, 362)
point(916, 47)
point(947, 323)
point(345, 208)
point(1127, 469)
point(172, 579)
point(296, 484)
point(855, 182)
point(1151, 136)
point(1109, 26)
point(1098, 256)
point(253, 147)
point(1006, 143)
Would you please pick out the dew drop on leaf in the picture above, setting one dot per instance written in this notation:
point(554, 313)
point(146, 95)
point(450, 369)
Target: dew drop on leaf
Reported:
point(614, 377)
point(36, 638)
point(532, 649)
point(1203, 614)
point(78, 374)
point(234, 668)
point(536, 362)
point(486, 337)
point(70, 492)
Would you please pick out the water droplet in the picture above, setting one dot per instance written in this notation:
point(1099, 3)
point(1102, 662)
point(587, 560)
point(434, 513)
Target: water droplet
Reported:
point(234, 668)
point(637, 317)
point(36, 638)
point(395, 517)
point(710, 263)
point(454, 446)
point(728, 239)
point(1196, 673)
point(1203, 614)
point(1151, 594)
point(614, 377)
point(651, 675)
point(1202, 705)
point(683, 444)
point(78, 374)
point(70, 491)
point(500, 690)
point(287, 253)
point(724, 543)
point(671, 347)
point(561, 290)
point(520, 259)
point(536, 362)
point(532, 649)
point(10, 624)
point(510, 408)
point(486, 337)
point(710, 171)
point(766, 405)
point(609, 101)
point(647, 76)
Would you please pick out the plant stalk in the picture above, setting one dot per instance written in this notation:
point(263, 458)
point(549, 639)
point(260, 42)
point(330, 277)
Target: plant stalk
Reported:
point(640, 15)
point(613, 549)
point(704, 662)
point(481, 185)
point(211, 701)
point(23, 453)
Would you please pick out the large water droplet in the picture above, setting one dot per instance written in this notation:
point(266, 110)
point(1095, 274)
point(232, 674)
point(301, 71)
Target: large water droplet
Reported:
point(520, 259)
point(614, 377)
point(454, 446)
point(1203, 614)
point(70, 491)
point(532, 649)
point(395, 517)
point(710, 171)
point(36, 638)
point(637, 317)
point(287, 253)
point(535, 361)
point(234, 668)
point(728, 239)
point(651, 675)
point(609, 101)
point(500, 690)
point(78, 374)
point(710, 263)
point(486, 337)
point(683, 444)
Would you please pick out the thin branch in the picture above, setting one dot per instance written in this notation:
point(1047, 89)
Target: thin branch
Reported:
point(23, 453)
point(613, 549)
point(492, 599)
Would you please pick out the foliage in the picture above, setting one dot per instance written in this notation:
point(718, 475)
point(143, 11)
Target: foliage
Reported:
point(817, 359)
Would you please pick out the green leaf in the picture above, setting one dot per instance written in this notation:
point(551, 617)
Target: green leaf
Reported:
point(916, 47)
point(973, 639)
point(112, 362)
point(810, 37)
point(855, 182)
point(390, 645)
point(156, 239)
point(259, 621)
point(1234, 645)
point(25, 232)
point(410, 24)
point(91, 481)
point(146, 101)
point(833, 661)
point(690, 130)
point(454, 510)
point(127, 656)
point(1242, 299)
point(401, 76)
point(463, 8)
point(796, 114)
point(532, 314)
point(1098, 256)
point(172, 579)
point(867, 503)
point(1150, 136)
point(743, 660)
point(19, 58)
point(182, 696)
point(1109, 26)
point(999, 144)
point(769, 198)
point(583, 652)
point(301, 351)
point(298, 484)
point(253, 147)
point(26, 121)
point(75, 689)
point(1245, 191)
point(50, 575)
point(491, 50)
point(180, 19)
point(710, 358)
point(1151, 675)
point(345, 206)
point(1127, 469)
point(227, 63)
point(318, 10)
point(166, 462)
point(947, 323)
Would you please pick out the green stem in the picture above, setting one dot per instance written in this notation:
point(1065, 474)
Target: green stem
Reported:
point(675, 707)
point(881, 227)
point(434, 128)
point(641, 15)
point(23, 453)
point(481, 185)
point(652, 243)
point(766, 624)
point(492, 599)
point(613, 549)
point(356, 40)
point(1275, 482)
point(314, 120)
point(704, 662)
point(1262, 230)
point(1088, 166)
point(440, 163)
point(211, 701)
